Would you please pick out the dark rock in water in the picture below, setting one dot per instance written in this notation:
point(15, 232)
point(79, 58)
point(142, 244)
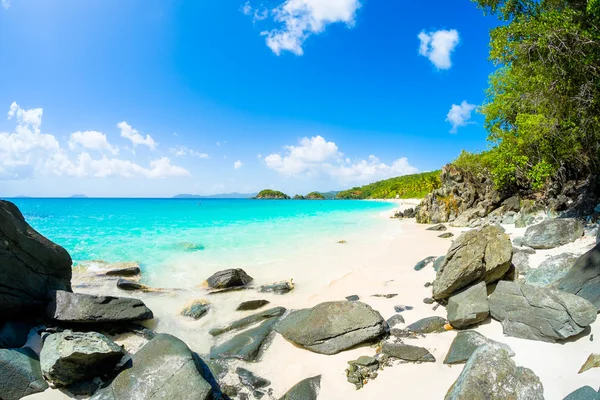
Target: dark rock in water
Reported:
point(425, 262)
point(247, 321)
point(196, 309)
point(353, 298)
point(490, 374)
point(228, 290)
point(446, 235)
point(70, 357)
point(85, 308)
point(127, 271)
point(308, 389)
point(437, 264)
point(250, 380)
point(362, 370)
point(465, 343)
point(30, 265)
point(395, 320)
point(438, 227)
point(583, 279)
point(551, 270)
point(401, 308)
point(553, 233)
point(583, 393)
point(13, 334)
point(125, 284)
point(282, 287)
point(428, 325)
point(543, 314)
point(331, 327)
point(164, 368)
point(246, 345)
point(468, 307)
point(407, 352)
point(428, 300)
point(252, 305)
point(386, 296)
point(229, 278)
point(478, 255)
point(20, 374)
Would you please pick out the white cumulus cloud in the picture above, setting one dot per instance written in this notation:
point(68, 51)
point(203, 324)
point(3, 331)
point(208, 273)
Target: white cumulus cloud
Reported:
point(91, 140)
point(459, 115)
point(238, 164)
point(180, 151)
point(438, 46)
point(135, 137)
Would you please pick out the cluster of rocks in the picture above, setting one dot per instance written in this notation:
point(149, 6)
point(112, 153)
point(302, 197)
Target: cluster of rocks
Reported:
point(408, 213)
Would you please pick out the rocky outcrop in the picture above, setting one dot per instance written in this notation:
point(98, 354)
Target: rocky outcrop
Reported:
point(466, 342)
point(329, 328)
point(583, 279)
point(30, 265)
point(20, 374)
point(229, 278)
point(308, 389)
point(543, 314)
point(70, 357)
point(407, 352)
point(481, 255)
point(553, 233)
point(551, 270)
point(268, 194)
point(164, 368)
point(490, 374)
point(468, 307)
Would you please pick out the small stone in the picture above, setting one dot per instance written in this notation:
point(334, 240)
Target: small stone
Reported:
point(438, 227)
point(386, 296)
point(428, 300)
point(428, 325)
point(407, 352)
point(342, 242)
point(196, 309)
point(353, 298)
point(593, 361)
point(126, 271)
point(425, 262)
point(401, 308)
point(229, 278)
point(395, 320)
point(252, 305)
point(446, 235)
point(247, 321)
point(282, 287)
point(250, 380)
point(428, 284)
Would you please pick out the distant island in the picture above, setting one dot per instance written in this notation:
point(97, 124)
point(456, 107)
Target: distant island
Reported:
point(79, 196)
point(269, 194)
point(310, 196)
point(233, 195)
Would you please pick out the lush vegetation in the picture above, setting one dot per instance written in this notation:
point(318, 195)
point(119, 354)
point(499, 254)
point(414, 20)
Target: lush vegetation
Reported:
point(543, 104)
point(272, 194)
point(404, 187)
point(314, 196)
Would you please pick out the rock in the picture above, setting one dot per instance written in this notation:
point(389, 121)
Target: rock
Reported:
point(30, 265)
point(583, 279)
point(407, 352)
point(164, 368)
point(229, 278)
point(13, 334)
point(196, 309)
point(250, 320)
point(512, 204)
point(428, 284)
point(385, 296)
point(251, 381)
point(543, 314)
point(362, 370)
point(282, 287)
point(553, 233)
point(583, 393)
point(20, 374)
point(428, 300)
point(478, 255)
point(229, 290)
point(518, 241)
point(428, 325)
point(125, 271)
point(85, 308)
point(70, 357)
point(129, 285)
point(524, 250)
point(401, 308)
point(425, 262)
point(252, 305)
point(437, 265)
point(520, 261)
point(490, 374)
point(468, 307)
point(331, 327)
point(308, 389)
point(353, 298)
point(446, 235)
point(593, 361)
point(438, 227)
point(409, 213)
point(246, 345)
point(509, 218)
point(467, 218)
point(395, 320)
point(466, 342)
point(551, 270)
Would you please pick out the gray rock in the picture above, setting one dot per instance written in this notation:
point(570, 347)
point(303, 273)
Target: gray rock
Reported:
point(437, 264)
point(553, 233)
point(524, 250)
point(385, 296)
point(583, 279)
point(30, 265)
point(400, 308)
point(425, 262)
point(543, 314)
point(509, 218)
point(282, 287)
point(490, 374)
point(438, 227)
point(468, 307)
point(428, 325)
point(407, 352)
point(196, 309)
point(428, 300)
point(482, 255)
point(129, 285)
point(308, 389)
point(70, 357)
point(353, 298)
point(229, 278)
point(85, 308)
point(20, 374)
point(331, 327)
point(252, 305)
point(13, 334)
point(126, 271)
point(446, 235)
point(551, 270)
point(246, 345)
point(583, 393)
point(465, 343)
point(520, 261)
point(362, 370)
point(164, 369)
point(250, 380)
point(250, 320)
point(518, 241)
point(467, 218)
point(395, 320)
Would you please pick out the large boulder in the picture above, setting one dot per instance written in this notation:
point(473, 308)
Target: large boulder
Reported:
point(551, 270)
point(465, 343)
point(246, 345)
point(481, 255)
point(307, 389)
point(85, 308)
point(331, 327)
point(490, 374)
point(20, 374)
point(553, 233)
point(229, 278)
point(164, 368)
point(70, 357)
point(543, 314)
point(583, 279)
point(30, 264)
point(14, 334)
point(468, 307)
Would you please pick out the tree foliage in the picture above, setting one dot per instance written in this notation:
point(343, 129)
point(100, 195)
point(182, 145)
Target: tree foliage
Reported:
point(405, 187)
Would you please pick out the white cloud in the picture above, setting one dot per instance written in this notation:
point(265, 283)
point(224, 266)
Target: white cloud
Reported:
point(438, 46)
point(257, 15)
point(316, 156)
point(459, 115)
point(238, 164)
point(302, 18)
point(180, 151)
point(91, 140)
point(128, 132)
point(6, 4)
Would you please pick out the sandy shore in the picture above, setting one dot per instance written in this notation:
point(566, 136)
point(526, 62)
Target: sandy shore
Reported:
point(369, 263)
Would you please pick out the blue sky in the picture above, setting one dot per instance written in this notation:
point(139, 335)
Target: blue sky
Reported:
point(154, 98)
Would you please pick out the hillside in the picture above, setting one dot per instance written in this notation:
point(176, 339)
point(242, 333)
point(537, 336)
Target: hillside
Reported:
point(404, 187)
point(271, 194)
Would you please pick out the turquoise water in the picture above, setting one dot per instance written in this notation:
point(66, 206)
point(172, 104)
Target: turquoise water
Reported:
point(157, 231)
